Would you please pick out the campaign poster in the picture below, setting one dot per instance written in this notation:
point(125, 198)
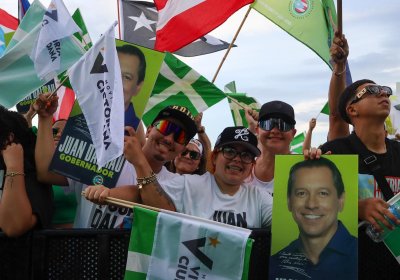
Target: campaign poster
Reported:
point(315, 207)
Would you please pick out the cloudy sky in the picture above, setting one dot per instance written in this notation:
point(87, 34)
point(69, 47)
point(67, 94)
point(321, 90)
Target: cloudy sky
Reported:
point(269, 64)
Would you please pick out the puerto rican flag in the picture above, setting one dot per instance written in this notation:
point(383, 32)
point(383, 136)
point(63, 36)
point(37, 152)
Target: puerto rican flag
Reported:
point(66, 99)
point(181, 22)
point(7, 22)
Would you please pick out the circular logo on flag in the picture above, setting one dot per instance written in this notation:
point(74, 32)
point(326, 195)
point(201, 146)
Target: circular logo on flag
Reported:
point(300, 8)
point(98, 180)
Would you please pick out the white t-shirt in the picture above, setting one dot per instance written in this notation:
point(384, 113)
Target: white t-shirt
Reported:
point(254, 181)
point(200, 196)
point(90, 215)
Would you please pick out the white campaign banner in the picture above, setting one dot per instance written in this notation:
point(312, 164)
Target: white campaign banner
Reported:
point(57, 24)
point(96, 80)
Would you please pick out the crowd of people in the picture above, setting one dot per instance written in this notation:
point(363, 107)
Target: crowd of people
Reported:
point(169, 168)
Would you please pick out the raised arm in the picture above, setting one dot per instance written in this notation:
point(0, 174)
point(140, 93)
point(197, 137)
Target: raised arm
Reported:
point(44, 150)
point(307, 139)
point(201, 132)
point(151, 193)
point(339, 52)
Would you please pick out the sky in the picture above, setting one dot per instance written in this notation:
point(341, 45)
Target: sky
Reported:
point(269, 64)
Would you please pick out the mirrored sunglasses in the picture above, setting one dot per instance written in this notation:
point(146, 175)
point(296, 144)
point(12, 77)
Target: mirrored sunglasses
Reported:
point(192, 154)
point(166, 127)
point(372, 89)
point(279, 123)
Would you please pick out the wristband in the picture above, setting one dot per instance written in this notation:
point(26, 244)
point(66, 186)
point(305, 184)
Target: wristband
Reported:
point(201, 129)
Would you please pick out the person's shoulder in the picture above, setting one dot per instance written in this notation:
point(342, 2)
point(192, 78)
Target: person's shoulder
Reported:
point(339, 145)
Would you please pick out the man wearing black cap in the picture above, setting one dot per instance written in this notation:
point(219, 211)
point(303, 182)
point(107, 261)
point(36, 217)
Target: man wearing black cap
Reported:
point(366, 105)
point(275, 129)
point(171, 130)
point(221, 196)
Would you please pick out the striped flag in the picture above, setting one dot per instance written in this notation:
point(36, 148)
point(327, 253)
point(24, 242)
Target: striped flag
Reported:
point(18, 77)
point(170, 245)
point(241, 101)
point(181, 22)
point(178, 84)
point(138, 26)
point(296, 145)
point(31, 20)
point(8, 24)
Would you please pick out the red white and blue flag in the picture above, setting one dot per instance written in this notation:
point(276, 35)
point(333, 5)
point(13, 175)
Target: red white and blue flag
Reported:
point(23, 6)
point(181, 22)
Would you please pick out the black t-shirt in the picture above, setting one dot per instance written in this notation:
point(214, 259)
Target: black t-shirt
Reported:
point(375, 260)
point(40, 195)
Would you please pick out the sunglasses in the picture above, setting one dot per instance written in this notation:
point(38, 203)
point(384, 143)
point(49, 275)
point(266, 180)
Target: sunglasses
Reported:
point(166, 127)
point(192, 154)
point(372, 89)
point(269, 124)
point(231, 153)
point(55, 131)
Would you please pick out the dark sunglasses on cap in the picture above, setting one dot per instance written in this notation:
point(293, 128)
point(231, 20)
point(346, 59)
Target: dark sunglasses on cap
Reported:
point(279, 123)
point(192, 154)
point(166, 127)
point(372, 89)
point(230, 153)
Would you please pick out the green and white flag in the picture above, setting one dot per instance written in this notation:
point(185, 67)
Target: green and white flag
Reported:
point(241, 101)
point(296, 145)
point(179, 84)
point(325, 109)
point(170, 245)
point(18, 77)
point(84, 38)
point(30, 21)
point(304, 20)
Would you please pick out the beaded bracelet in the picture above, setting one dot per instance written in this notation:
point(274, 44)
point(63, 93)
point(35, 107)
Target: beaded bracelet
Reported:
point(146, 180)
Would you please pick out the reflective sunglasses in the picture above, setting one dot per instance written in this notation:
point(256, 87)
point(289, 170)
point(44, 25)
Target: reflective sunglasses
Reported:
point(192, 154)
point(372, 89)
point(269, 124)
point(166, 127)
point(231, 153)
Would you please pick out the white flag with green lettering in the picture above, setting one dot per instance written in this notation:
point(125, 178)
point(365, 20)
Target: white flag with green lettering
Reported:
point(178, 84)
point(170, 245)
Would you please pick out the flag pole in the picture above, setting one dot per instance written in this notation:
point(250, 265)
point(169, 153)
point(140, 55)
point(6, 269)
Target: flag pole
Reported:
point(119, 21)
point(231, 44)
point(339, 17)
point(125, 203)
point(52, 94)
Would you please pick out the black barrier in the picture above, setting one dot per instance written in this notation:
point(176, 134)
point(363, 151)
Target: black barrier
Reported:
point(90, 254)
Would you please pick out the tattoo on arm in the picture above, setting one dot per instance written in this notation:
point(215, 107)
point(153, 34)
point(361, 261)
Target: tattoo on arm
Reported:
point(162, 193)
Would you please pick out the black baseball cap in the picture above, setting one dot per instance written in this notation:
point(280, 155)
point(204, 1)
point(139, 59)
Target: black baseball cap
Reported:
point(348, 94)
point(182, 114)
point(277, 109)
point(238, 135)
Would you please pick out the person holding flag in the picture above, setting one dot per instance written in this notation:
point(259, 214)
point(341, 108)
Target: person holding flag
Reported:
point(221, 195)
